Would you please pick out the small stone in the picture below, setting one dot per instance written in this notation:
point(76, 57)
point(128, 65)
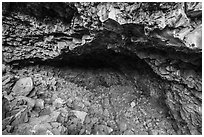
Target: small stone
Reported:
point(42, 129)
point(122, 126)
point(8, 97)
point(106, 113)
point(9, 128)
point(26, 101)
point(143, 133)
point(63, 111)
point(36, 111)
point(61, 119)
point(94, 120)
point(32, 94)
point(62, 129)
point(23, 86)
point(46, 125)
point(132, 104)
point(143, 111)
point(77, 41)
point(78, 105)
point(56, 131)
point(34, 114)
point(87, 120)
point(102, 130)
point(112, 25)
point(128, 132)
point(39, 103)
point(45, 111)
point(80, 114)
point(170, 68)
point(6, 122)
point(54, 116)
point(6, 79)
point(3, 68)
point(38, 120)
point(55, 124)
point(194, 132)
point(58, 103)
point(48, 132)
point(26, 119)
point(20, 117)
point(5, 132)
point(82, 131)
point(149, 124)
point(153, 132)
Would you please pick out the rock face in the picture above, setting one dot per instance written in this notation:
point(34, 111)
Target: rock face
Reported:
point(166, 37)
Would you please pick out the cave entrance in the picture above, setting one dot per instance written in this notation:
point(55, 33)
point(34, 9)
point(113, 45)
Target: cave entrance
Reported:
point(120, 94)
point(128, 91)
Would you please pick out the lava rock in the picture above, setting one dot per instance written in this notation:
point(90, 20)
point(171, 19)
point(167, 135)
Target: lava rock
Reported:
point(58, 103)
point(39, 103)
point(29, 102)
point(45, 111)
point(3, 68)
point(42, 129)
point(128, 132)
point(80, 114)
point(20, 117)
point(132, 104)
point(102, 130)
point(122, 126)
point(23, 86)
point(112, 25)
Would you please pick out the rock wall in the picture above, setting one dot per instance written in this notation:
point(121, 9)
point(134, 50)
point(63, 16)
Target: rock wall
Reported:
point(167, 36)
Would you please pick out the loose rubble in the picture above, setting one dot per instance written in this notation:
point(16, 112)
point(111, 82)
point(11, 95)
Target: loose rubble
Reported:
point(97, 110)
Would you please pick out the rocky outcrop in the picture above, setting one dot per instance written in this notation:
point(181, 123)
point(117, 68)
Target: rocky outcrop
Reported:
point(167, 36)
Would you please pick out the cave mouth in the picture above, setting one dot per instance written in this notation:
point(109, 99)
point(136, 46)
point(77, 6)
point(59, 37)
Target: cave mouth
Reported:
point(122, 89)
point(92, 60)
point(118, 93)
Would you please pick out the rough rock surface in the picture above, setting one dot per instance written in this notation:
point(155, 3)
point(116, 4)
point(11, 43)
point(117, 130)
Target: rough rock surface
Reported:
point(102, 68)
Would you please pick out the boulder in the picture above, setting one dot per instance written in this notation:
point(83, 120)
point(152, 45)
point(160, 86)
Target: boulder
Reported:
point(23, 86)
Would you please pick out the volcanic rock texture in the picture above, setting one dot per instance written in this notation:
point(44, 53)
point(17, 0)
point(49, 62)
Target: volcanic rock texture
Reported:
point(102, 68)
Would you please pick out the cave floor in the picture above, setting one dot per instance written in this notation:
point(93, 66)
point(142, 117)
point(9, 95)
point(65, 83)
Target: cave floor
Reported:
point(89, 101)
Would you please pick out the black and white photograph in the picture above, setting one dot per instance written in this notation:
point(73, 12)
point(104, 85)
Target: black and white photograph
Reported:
point(101, 68)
